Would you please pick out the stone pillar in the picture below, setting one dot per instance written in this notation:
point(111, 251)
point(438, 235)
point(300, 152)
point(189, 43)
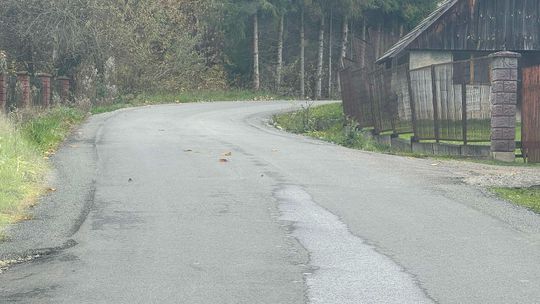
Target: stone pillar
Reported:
point(3, 92)
point(45, 89)
point(23, 83)
point(64, 87)
point(504, 94)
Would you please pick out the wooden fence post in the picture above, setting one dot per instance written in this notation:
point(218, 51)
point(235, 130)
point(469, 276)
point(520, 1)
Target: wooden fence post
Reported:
point(412, 104)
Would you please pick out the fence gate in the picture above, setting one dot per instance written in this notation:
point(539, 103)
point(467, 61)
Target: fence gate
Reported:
point(531, 114)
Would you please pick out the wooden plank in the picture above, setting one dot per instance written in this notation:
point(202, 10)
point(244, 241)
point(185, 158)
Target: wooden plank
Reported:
point(435, 104)
point(531, 113)
point(464, 112)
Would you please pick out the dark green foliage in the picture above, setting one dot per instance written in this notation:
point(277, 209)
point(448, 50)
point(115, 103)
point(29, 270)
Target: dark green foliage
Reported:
point(146, 45)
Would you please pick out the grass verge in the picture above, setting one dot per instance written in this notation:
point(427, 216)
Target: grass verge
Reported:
point(25, 141)
point(525, 197)
point(185, 97)
point(328, 123)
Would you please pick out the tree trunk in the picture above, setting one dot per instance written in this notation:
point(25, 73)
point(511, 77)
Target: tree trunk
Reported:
point(318, 90)
point(302, 56)
point(330, 41)
point(378, 40)
point(280, 52)
point(344, 39)
point(256, 74)
point(364, 44)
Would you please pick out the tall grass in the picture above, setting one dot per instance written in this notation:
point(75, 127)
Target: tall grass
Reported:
point(25, 141)
point(328, 123)
point(48, 129)
point(22, 170)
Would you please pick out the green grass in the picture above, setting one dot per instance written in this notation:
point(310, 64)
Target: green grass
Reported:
point(185, 97)
point(526, 197)
point(22, 169)
point(327, 123)
point(47, 130)
point(25, 140)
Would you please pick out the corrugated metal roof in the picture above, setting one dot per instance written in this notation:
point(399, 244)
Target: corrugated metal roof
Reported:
point(404, 42)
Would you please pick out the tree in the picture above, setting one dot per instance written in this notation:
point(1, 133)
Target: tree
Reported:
point(282, 7)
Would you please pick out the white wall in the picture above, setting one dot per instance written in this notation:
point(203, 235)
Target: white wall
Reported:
point(420, 59)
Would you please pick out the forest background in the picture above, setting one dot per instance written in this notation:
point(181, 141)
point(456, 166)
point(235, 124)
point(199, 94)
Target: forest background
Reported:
point(112, 48)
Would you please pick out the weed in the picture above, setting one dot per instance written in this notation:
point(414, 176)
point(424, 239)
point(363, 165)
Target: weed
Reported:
point(526, 197)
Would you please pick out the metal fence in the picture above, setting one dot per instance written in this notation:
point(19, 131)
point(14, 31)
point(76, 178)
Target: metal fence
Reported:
point(447, 101)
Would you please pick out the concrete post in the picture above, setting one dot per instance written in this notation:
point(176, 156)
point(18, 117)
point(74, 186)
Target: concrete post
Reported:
point(3, 92)
point(23, 82)
point(64, 89)
point(504, 93)
point(45, 89)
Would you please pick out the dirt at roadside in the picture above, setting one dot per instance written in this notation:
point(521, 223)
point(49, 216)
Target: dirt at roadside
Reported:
point(484, 175)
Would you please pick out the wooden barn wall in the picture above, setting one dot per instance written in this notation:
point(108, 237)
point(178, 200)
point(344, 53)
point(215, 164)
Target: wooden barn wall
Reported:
point(485, 25)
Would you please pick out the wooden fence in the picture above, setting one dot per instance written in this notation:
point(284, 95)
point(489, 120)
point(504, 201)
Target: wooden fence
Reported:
point(447, 101)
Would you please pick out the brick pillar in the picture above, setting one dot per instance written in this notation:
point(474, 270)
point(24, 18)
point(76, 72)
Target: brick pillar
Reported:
point(504, 94)
point(3, 92)
point(64, 88)
point(23, 81)
point(45, 89)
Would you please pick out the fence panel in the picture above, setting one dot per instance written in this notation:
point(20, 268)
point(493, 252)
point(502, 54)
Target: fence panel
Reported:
point(449, 103)
point(422, 91)
point(384, 100)
point(452, 101)
point(347, 91)
point(12, 95)
point(474, 77)
point(363, 107)
point(36, 89)
point(403, 122)
point(355, 95)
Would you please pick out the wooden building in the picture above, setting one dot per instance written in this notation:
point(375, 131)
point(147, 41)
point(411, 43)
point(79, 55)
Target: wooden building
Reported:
point(453, 38)
point(464, 29)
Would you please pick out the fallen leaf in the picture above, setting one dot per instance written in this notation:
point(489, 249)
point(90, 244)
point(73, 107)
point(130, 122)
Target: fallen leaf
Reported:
point(223, 160)
point(130, 180)
point(435, 164)
point(227, 154)
point(51, 189)
point(188, 150)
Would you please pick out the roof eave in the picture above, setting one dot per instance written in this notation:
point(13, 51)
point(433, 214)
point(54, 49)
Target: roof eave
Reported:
point(401, 46)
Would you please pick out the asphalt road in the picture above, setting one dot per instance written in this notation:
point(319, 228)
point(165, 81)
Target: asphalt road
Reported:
point(206, 203)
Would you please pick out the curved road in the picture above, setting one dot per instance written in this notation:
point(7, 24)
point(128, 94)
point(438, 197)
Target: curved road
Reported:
point(206, 203)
